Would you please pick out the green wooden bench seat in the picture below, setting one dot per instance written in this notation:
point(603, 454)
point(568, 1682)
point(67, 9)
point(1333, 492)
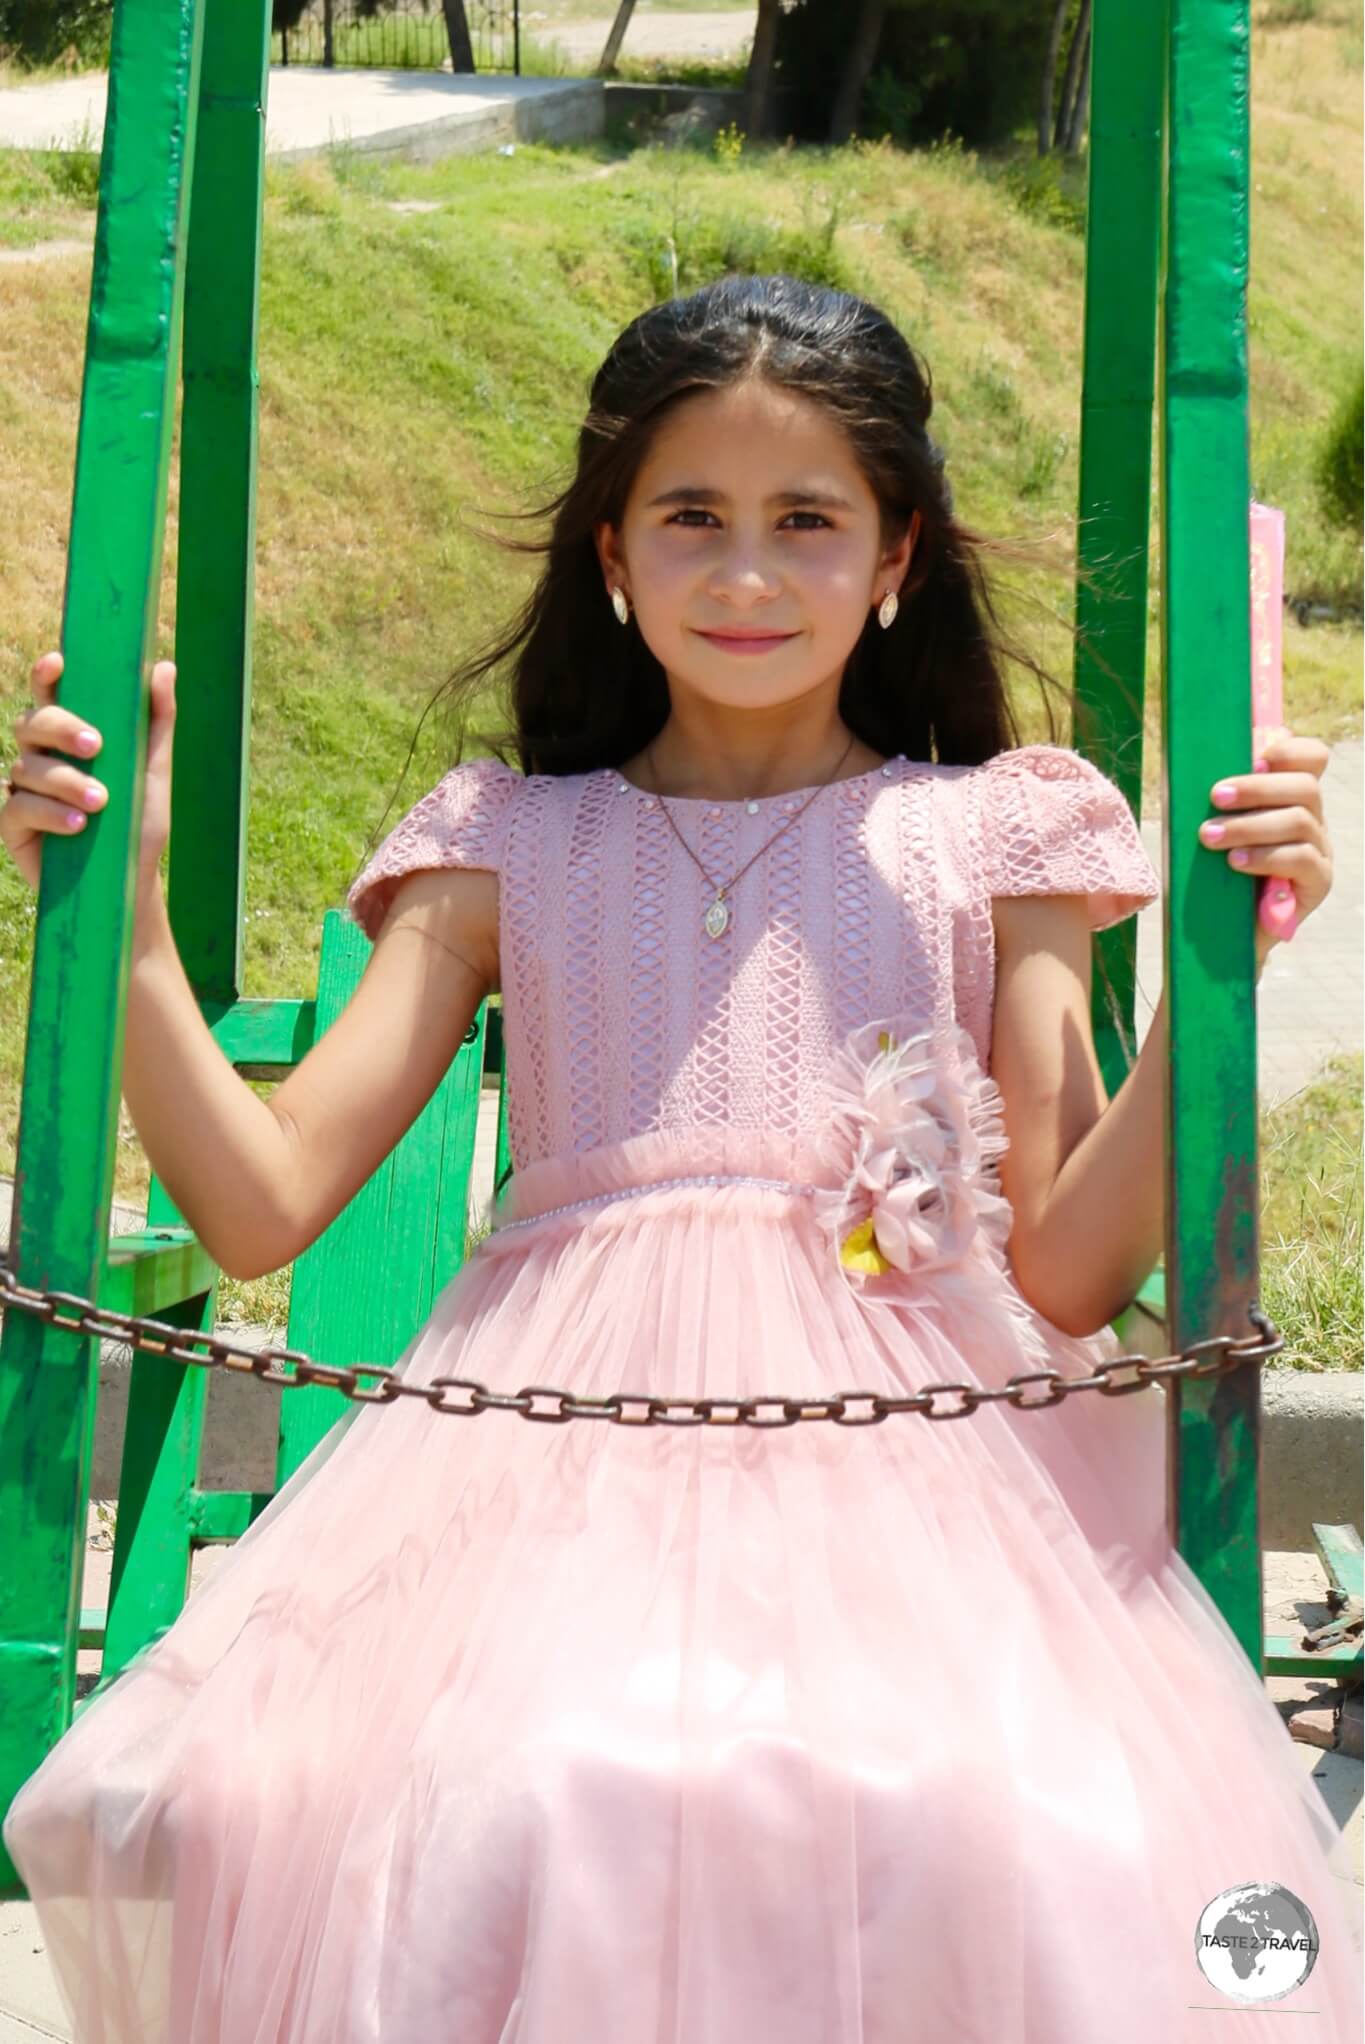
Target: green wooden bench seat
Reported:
point(358, 1294)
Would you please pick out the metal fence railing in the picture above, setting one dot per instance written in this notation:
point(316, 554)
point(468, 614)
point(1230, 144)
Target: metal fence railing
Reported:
point(384, 34)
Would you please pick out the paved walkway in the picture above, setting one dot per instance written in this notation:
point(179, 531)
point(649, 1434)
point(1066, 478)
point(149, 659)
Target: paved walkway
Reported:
point(309, 109)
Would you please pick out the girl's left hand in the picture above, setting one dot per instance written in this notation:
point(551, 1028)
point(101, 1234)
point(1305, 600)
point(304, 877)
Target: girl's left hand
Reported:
point(1270, 823)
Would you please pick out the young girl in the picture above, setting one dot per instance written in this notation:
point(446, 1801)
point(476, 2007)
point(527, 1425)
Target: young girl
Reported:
point(791, 1732)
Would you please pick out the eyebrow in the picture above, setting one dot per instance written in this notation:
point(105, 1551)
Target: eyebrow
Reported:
point(701, 495)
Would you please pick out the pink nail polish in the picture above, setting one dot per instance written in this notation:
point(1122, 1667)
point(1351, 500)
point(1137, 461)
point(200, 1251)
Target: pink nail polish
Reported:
point(1224, 793)
point(1260, 766)
point(87, 741)
point(1214, 833)
point(74, 819)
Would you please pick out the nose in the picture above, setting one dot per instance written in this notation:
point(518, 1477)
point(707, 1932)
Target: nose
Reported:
point(741, 575)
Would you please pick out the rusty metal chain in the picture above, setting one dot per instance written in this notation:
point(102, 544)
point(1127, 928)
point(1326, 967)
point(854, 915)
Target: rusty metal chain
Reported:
point(1214, 1356)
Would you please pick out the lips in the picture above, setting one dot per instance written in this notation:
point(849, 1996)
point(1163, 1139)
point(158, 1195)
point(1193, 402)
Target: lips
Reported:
point(747, 638)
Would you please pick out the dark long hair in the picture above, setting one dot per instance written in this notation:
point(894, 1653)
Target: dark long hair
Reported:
point(575, 691)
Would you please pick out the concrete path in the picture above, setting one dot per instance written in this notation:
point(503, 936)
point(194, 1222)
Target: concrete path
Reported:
point(715, 33)
point(309, 109)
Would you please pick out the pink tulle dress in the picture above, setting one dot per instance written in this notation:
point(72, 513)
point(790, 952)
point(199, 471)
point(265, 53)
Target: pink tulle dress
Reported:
point(914, 1732)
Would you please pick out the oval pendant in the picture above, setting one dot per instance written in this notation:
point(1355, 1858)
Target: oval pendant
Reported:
point(716, 918)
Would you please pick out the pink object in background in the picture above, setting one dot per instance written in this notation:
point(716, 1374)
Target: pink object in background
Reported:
point(1276, 908)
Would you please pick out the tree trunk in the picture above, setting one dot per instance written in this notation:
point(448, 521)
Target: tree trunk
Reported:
point(758, 81)
point(606, 63)
point(457, 33)
point(1071, 82)
point(862, 55)
point(1049, 85)
point(1075, 127)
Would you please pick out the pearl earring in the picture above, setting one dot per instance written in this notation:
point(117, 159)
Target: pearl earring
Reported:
point(619, 605)
point(886, 615)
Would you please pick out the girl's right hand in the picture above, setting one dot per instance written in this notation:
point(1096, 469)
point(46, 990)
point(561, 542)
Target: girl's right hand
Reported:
point(50, 794)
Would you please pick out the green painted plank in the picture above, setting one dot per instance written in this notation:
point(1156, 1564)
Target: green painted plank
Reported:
point(153, 1269)
point(1284, 1656)
point(1212, 1227)
point(161, 1442)
point(1343, 1561)
point(502, 1157)
point(69, 1112)
point(262, 1033)
point(362, 1290)
point(218, 1515)
point(1115, 500)
point(216, 554)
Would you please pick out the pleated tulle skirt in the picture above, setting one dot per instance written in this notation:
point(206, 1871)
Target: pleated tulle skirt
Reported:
point(495, 1732)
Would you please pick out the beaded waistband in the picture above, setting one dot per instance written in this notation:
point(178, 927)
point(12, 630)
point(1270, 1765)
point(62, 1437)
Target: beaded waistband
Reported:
point(615, 1192)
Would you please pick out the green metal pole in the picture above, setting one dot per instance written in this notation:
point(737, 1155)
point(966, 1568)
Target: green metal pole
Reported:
point(74, 1050)
point(1212, 1189)
point(215, 566)
point(1115, 505)
point(216, 558)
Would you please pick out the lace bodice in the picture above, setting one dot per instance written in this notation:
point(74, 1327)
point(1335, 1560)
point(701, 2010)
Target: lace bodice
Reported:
point(621, 1015)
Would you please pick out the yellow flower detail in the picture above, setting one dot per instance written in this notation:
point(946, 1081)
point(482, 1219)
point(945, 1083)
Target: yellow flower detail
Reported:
point(860, 1252)
point(885, 1040)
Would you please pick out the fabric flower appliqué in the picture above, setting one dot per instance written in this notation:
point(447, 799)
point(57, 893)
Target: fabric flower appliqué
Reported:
point(917, 1130)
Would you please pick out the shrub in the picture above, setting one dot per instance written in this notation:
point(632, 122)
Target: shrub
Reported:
point(1340, 483)
point(1048, 188)
point(43, 31)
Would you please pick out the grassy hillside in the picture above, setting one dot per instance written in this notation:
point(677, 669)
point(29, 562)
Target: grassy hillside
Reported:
point(427, 337)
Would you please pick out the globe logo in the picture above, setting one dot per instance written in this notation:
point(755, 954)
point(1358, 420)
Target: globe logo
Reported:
point(1257, 1942)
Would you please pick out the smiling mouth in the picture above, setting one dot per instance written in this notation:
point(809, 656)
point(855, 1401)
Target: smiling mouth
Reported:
point(747, 638)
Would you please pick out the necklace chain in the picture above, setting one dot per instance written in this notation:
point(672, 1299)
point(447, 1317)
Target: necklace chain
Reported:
point(717, 916)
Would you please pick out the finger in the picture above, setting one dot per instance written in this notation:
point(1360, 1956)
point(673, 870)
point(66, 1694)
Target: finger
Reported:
point(161, 741)
point(1270, 790)
point(37, 812)
point(1297, 825)
point(56, 781)
point(59, 730)
point(1302, 863)
point(1281, 748)
point(44, 675)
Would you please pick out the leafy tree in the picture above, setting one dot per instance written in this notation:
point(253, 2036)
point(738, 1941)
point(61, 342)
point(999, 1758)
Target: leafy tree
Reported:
point(919, 68)
point(42, 31)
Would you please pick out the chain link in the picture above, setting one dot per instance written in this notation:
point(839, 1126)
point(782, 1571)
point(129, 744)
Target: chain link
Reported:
point(1214, 1356)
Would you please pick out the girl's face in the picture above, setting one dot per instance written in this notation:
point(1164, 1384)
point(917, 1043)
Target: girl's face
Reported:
point(750, 515)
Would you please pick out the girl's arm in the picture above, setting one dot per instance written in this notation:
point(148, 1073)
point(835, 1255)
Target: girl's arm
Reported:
point(259, 1179)
point(1086, 1175)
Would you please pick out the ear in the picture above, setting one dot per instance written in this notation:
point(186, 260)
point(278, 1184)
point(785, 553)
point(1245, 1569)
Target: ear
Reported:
point(605, 540)
point(895, 566)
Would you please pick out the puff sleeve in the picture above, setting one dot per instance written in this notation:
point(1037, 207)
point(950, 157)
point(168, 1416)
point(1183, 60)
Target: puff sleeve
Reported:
point(462, 821)
point(1051, 823)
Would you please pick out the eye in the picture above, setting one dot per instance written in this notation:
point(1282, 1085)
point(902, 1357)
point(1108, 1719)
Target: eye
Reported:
point(695, 511)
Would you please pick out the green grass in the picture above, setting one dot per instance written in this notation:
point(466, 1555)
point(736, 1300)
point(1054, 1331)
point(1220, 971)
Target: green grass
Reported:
point(1311, 1220)
point(422, 371)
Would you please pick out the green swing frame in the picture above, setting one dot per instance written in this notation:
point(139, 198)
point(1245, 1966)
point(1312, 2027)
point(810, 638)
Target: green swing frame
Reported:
point(1166, 275)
